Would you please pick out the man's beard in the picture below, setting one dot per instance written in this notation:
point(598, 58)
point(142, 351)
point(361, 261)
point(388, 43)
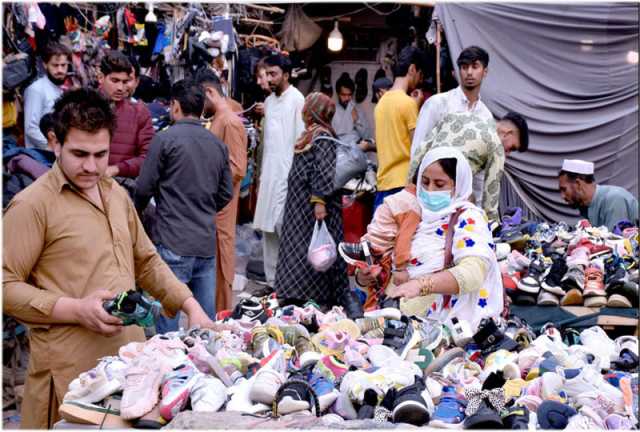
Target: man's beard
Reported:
point(343, 105)
point(56, 81)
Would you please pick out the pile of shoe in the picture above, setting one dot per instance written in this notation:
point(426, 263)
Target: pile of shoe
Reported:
point(386, 367)
point(553, 265)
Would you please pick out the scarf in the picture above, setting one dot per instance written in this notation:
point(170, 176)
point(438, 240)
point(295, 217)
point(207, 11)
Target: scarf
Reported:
point(317, 114)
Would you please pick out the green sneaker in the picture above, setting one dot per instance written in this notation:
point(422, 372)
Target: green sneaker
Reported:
point(134, 308)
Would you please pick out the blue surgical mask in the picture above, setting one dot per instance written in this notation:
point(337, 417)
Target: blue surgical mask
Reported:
point(436, 200)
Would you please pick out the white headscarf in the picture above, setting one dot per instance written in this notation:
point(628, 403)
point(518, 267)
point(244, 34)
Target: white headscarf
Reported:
point(463, 182)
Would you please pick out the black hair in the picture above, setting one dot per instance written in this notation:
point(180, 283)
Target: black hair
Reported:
point(587, 178)
point(83, 109)
point(135, 65)
point(115, 62)
point(472, 54)
point(207, 77)
point(346, 82)
point(190, 97)
point(55, 49)
point(523, 128)
point(47, 123)
point(147, 90)
point(449, 166)
point(278, 60)
point(409, 55)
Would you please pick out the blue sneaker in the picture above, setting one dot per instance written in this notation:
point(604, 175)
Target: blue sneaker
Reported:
point(324, 389)
point(449, 412)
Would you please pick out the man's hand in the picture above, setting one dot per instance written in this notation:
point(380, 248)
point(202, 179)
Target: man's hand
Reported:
point(112, 171)
point(320, 211)
point(197, 315)
point(259, 108)
point(410, 289)
point(354, 115)
point(90, 314)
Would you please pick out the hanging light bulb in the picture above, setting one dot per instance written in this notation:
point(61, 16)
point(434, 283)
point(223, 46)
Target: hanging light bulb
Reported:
point(335, 38)
point(151, 17)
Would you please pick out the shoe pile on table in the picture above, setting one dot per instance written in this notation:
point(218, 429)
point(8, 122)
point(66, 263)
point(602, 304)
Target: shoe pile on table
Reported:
point(385, 367)
point(552, 265)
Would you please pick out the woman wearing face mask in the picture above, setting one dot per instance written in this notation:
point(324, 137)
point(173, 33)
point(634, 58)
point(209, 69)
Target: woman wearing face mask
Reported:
point(469, 286)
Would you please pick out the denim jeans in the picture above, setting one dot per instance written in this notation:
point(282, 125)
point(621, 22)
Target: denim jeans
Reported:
point(200, 276)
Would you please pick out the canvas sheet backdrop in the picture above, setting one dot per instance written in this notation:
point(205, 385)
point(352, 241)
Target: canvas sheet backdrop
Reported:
point(566, 69)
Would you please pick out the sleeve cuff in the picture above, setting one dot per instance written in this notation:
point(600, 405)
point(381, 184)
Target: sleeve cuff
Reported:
point(45, 302)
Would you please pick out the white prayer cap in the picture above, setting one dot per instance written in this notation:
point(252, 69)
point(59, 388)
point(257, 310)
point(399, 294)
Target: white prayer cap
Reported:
point(577, 166)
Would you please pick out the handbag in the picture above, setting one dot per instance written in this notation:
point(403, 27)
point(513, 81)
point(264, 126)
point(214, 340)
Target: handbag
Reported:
point(17, 70)
point(351, 162)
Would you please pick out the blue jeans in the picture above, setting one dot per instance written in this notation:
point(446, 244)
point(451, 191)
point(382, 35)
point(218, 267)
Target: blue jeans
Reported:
point(381, 195)
point(200, 276)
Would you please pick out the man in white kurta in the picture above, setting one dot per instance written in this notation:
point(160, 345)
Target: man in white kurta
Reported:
point(282, 126)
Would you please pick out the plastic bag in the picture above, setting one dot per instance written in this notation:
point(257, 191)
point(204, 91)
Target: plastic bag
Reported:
point(322, 249)
point(351, 162)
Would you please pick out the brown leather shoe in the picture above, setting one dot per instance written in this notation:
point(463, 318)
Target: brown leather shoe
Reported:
point(572, 298)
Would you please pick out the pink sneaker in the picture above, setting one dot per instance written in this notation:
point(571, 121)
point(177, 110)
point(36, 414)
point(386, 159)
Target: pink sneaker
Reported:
point(176, 388)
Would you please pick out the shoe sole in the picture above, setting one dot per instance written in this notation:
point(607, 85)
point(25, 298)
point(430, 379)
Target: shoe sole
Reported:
point(572, 298)
point(74, 412)
point(618, 301)
point(289, 405)
point(411, 412)
point(594, 293)
point(549, 302)
point(440, 424)
point(557, 290)
point(595, 302)
point(531, 289)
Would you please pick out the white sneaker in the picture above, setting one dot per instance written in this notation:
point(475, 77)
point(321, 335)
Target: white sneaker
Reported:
point(590, 380)
point(142, 387)
point(595, 339)
point(266, 385)
point(586, 419)
point(627, 341)
point(388, 313)
point(96, 384)
point(208, 394)
point(240, 399)
point(551, 385)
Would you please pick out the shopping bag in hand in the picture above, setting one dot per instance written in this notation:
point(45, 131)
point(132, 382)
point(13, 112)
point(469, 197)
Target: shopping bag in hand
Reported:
point(322, 250)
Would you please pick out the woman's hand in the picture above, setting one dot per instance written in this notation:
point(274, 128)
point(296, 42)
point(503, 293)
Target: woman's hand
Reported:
point(410, 289)
point(400, 277)
point(320, 211)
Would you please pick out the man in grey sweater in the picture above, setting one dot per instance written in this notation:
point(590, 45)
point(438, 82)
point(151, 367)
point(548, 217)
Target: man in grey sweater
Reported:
point(187, 172)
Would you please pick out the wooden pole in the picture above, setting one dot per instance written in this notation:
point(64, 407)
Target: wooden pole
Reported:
point(437, 56)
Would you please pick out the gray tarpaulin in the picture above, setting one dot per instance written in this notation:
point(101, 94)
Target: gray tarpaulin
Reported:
point(569, 69)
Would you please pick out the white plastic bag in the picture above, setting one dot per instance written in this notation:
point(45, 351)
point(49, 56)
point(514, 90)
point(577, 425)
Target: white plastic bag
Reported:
point(322, 249)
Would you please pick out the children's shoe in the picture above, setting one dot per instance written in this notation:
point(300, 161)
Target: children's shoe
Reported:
point(594, 284)
point(266, 385)
point(105, 379)
point(531, 282)
point(325, 391)
point(574, 278)
point(516, 417)
point(176, 388)
point(449, 412)
point(552, 282)
point(208, 394)
point(356, 254)
point(545, 298)
point(134, 308)
point(141, 387)
point(250, 310)
point(410, 406)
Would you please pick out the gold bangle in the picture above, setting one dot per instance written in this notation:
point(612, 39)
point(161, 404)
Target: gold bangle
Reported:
point(426, 283)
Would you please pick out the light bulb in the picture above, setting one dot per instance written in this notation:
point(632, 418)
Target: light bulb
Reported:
point(335, 38)
point(151, 17)
point(632, 57)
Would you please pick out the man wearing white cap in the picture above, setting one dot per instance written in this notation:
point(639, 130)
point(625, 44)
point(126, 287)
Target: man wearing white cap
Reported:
point(601, 204)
